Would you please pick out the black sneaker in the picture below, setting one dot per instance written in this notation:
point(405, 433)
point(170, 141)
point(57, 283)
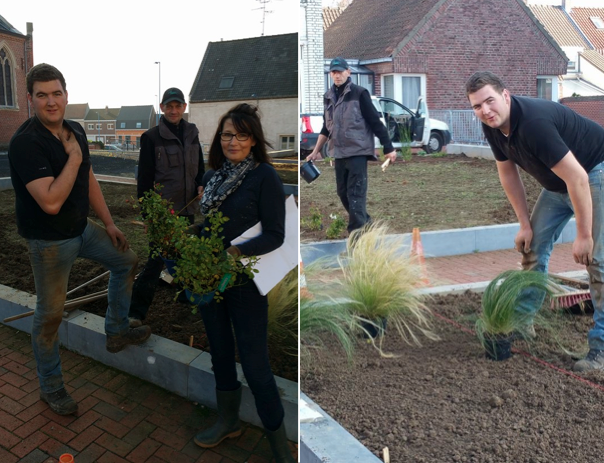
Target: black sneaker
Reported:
point(594, 360)
point(133, 336)
point(59, 402)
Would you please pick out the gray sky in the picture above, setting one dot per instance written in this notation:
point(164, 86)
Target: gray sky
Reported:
point(107, 50)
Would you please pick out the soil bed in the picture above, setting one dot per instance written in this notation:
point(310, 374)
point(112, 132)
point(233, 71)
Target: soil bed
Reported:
point(445, 402)
point(167, 318)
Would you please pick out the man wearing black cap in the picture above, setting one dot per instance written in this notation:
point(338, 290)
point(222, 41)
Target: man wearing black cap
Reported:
point(350, 140)
point(170, 155)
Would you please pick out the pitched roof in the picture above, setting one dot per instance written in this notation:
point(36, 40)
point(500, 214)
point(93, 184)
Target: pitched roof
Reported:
point(560, 26)
point(594, 57)
point(131, 115)
point(582, 18)
point(76, 111)
point(330, 15)
point(104, 114)
point(5, 26)
point(258, 67)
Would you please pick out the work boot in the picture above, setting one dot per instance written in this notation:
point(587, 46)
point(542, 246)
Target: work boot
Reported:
point(132, 336)
point(228, 424)
point(59, 402)
point(278, 441)
point(594, 360)
point(135, 322)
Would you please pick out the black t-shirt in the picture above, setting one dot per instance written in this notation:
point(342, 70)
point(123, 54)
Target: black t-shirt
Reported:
point(259, 198)
point(542, 132)
point(34, 153)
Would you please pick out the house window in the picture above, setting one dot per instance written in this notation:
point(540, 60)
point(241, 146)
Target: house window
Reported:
point(6, 80)
point(366, 81)
point(139, 125)
point(109, 126)
point(287, 142)
point(388, 90)
point(544, 88)
point(411, 91)
point(597, 22)
point(90, 126)
point(226, 82)
point(98, 126)
point(122, 125)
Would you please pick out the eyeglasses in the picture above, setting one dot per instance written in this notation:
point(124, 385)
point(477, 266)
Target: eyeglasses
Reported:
point(239, 136)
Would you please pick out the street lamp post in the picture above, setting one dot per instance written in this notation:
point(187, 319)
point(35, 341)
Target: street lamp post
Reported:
point(158, 93)
point(98, 125)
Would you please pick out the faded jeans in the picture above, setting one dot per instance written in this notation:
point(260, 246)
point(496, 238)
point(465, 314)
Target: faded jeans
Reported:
point(51, 262)
point(247, 310)
point(550, 214)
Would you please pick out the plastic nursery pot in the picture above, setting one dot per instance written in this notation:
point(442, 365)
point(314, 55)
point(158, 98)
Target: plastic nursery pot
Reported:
point(170, 264)
point(199, 300)
point(66, 458)
point(309, 172)
point(375, 329)
point(498, 347)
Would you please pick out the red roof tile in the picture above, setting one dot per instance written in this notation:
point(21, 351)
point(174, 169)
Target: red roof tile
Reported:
point(330, 15)
point(558, 24)
point(581, 17)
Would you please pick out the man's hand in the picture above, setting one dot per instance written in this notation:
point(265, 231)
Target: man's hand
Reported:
point(70, 143)
point(314, 156)
point(391, 156)
point(583, 250)
point(523, 239)
point(117, 238)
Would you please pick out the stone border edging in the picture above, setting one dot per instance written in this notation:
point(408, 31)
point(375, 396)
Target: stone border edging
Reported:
point(178, 368)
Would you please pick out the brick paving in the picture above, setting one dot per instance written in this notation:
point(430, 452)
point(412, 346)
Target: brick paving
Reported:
point(121, 419)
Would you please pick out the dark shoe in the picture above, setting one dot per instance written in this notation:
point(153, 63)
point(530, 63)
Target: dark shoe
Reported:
point(59, 402)
point(134, 322)
point(278, 441)
point(594, 360)
point(228, 424)
point(133, 336)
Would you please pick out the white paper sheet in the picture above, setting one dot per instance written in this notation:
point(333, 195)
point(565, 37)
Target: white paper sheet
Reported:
point(272, 267)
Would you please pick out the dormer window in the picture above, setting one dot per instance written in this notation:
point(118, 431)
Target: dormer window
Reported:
point(597, 22)
point(226, 82)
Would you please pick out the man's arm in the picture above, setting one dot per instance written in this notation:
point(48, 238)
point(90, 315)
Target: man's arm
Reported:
point(316, 153)
point(51, 192)
point(99, 206)
point(577, 183)
point(372, 118)
point(514, 190)
point(200, 172)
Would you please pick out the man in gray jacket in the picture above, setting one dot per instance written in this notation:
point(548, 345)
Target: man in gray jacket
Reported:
point(349, 124)
point(170, 155)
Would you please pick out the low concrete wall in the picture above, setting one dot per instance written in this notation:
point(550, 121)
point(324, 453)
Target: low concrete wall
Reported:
point(471, 151)
point(181, 369)
point(6, 184)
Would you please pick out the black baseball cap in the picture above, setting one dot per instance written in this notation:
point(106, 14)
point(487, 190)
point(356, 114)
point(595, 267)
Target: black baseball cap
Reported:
point(338, 64)
point(173, 94)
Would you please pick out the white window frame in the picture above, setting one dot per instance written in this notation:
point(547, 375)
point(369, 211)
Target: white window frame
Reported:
point(597, 22)
point(398, 85)
point(98, 126)
point(90, 126)
point(554, 79)
point(139, 125)
point(290, 142)
point(109, 126)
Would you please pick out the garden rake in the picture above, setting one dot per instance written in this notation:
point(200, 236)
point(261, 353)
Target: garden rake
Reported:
point(568, 296)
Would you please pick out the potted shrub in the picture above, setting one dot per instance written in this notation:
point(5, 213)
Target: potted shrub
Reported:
point(384, 279)
point(203, 268)
point(500, 320)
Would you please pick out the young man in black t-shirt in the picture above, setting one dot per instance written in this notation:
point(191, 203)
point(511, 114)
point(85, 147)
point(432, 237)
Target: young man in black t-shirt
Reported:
point(564, 152)
point(54, 189)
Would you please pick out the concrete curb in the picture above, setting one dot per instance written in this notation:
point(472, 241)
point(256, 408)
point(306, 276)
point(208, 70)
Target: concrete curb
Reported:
point(180, 369)
point(6, 184)
point(442, 243)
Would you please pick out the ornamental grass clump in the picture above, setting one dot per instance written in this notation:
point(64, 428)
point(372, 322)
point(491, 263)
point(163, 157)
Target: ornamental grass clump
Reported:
point(384, 281)
point(500, 316)
point(203, 267)
point(283, 313)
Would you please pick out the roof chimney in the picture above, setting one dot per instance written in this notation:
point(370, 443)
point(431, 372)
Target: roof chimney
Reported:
point(567, 5)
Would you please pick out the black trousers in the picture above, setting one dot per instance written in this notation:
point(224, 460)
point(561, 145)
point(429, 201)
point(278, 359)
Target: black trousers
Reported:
point(351, 184)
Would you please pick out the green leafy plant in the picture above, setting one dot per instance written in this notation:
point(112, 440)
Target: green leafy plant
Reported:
point(315, 221)
point(203, 266)
point(384, 280)
point(405, 138)
point(499, 316)
point(336, 227)
point(164, 226)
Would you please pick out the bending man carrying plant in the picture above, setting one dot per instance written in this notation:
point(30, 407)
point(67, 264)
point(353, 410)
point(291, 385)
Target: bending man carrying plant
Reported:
point(564, 152)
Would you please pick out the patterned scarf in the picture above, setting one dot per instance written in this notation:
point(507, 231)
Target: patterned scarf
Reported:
point(224, 181)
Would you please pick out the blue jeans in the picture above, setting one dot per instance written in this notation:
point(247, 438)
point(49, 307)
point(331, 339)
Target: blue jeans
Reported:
point(247, 310)
point(51, 262)
point(550, 214)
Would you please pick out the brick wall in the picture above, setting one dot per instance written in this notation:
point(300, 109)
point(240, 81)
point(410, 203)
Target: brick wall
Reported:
point(591, 107)
point(20, 50)
point(465, 36)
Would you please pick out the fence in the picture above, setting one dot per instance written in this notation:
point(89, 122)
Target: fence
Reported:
point(464, 125)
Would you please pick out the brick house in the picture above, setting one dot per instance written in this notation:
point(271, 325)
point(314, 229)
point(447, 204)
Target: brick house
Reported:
point(262, 71)
point(100, 124)
point(16, 58)
point(430, 47)
point(132, 122)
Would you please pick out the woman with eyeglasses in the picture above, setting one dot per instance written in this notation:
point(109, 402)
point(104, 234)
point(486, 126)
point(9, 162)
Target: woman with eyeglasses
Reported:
point(244, 186)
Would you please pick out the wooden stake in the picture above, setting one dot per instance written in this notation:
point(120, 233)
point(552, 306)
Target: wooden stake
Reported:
point(87, 283)
point(386, 455)
point(191, 341)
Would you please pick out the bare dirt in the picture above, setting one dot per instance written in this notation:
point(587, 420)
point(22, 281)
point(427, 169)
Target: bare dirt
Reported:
point(445, 402)
point(432, 193)
point(167, 318)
